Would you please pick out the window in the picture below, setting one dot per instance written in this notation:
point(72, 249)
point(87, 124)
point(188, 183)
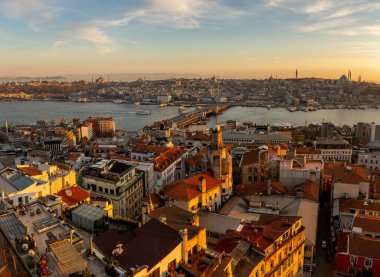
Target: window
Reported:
point(354, 260)
point(112, 191)
point(368, 263)
point(100, 189)
point(106, 190)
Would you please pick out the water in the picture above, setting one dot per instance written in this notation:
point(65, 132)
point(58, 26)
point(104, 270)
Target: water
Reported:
point(28, 112)
point(280, 115)
point(124, 114)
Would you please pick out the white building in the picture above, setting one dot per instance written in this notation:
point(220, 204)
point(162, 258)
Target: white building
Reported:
point(334, 149)
point(299, 170)
point(86, 130)
point(370, 159)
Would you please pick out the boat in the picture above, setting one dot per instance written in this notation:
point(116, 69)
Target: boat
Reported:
point(137, 103)
point(163, 105)
point(181, 110)
point(291, 109)
point(118, 101)
point(82, 100)
point(268, 107)
point(142, 112)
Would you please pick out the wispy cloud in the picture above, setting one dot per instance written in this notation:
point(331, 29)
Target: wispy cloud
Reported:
point(186, 14)
point(35, 12)
point(57, 44)
point(93, 34)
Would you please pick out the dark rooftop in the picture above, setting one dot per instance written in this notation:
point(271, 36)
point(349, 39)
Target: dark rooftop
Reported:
point(145, 246)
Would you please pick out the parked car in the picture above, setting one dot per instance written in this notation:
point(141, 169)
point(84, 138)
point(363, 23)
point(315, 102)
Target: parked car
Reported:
point(324, 244)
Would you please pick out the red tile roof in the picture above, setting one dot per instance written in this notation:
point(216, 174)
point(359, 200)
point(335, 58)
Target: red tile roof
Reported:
point(30, 170)
point(86, 124)
point(145, 149)
point(199, 136)
point(359, 204)
point(351, 178)
point(307, 151)
point(256, 188)
point(309, 188)
point(163, 161)
point(73, 195)
point(188, 189)
point(367, 223)
point(364, 246)
point(250, 157)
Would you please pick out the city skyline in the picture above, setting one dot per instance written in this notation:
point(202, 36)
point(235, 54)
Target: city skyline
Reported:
point(231, 39)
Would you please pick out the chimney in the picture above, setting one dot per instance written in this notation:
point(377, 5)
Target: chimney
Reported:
point(71, 236)
point(269, 184)
point(202, 184)
point(184, 236)
point(195, 220)
point(91, 247)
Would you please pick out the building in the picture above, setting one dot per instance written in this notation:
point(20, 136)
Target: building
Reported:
point(19, 188)
point(252, 166)
point(118, 182)
point(151, 250)
point(253, 140)
point(86, 131)
point(358, 255)
point(179, 220)
point(200, 192)
point(217, 226)
point(166, 161)
point(103, 126)
point(219, 162)
point(73, 197)
point(350, 185)
point(272, 246)
point(90, 218)
point(308, 152)
point(147, 168)
point(299, 170)
point(369, 159)
point(334, 149)
point(56, 175)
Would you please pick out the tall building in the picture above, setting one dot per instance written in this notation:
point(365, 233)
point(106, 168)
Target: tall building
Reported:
point(118, 182)
point(219, 162)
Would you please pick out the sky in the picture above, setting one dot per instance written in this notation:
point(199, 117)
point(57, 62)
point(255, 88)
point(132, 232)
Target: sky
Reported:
point(227, 38)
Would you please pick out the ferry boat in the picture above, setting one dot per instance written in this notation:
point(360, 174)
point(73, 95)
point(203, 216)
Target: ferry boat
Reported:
point(142, 112)
point(163, 105)
point(137, 103)
point(181, 110)
point(268, 107)
point(118, 101)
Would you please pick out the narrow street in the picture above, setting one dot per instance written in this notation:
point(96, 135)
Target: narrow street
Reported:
point(324, 258)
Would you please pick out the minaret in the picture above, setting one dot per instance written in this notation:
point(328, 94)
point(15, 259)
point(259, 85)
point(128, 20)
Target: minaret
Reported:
point(296, 74)
point(6, 128)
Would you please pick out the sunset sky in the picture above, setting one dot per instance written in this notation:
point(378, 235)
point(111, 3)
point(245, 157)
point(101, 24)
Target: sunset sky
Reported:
point(235, 38)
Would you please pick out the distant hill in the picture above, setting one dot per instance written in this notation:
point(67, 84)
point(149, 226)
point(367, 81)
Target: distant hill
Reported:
point(132, 76)
point(26, 78)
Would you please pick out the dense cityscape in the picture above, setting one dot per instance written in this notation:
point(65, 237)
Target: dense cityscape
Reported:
point(183, 199)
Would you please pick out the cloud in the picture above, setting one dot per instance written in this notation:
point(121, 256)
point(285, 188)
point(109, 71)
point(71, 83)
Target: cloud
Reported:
point(57, 44)
point(93, 34)
point(318, 6)
point(35, 12)
point(183, 14)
